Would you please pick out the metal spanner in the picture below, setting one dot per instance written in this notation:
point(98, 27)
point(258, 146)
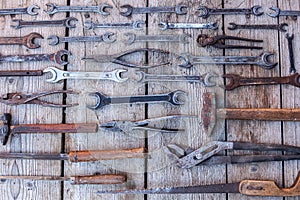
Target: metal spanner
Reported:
point(278, 12)
point(68, 22)
point(27, 40)
point(138, 25)
point(58, 75)
point(15, 11)
point(290, 39)
point(205, 12)
point(130, 10)
point(280, 27)
point(187, 60)
point(101, 9)
point(170, 25)
point(107, 38)
point(204, 79)
point(132, 38)
point(175, 98)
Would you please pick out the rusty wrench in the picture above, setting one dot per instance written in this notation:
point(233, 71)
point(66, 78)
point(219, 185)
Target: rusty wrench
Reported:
point(280, 27)
point(68, 22)
point(290, 39)
point(14, 11)
point(27, 40)
point(101, 9)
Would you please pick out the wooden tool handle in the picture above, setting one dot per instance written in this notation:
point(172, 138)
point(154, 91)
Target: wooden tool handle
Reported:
point(88, 156)
point(98, 179)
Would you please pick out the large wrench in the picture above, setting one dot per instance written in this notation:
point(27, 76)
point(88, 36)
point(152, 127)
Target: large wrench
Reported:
point(132, 38)
point(101, 9)
point(174, 98)
point(58, 75)
point(179, 10)
point(68, 22)
point(15, 11)
point(138, 25)
point(27, 40)
point(170, 25)
point(277, 12)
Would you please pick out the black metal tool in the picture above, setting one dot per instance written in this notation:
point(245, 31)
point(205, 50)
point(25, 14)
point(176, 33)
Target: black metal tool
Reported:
point(290, 39)
point(280, 27)
point(277, 12)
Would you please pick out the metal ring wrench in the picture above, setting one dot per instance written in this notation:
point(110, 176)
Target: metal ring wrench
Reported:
point(170, 25)
point(137, 25)
point(187, 60)
point(280, 27)
point(27, 40)
point(15, 11)
point(174, 98)
point(101, 9)
point(290, 39)
point(132, 38)
point(278, 12)
point(107, 38)
point(58, 75)
point(68, 22)
point(130, 10)
point(205, 12)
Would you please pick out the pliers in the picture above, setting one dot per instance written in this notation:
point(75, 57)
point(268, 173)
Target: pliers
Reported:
point(19, 98)
point(206, 155)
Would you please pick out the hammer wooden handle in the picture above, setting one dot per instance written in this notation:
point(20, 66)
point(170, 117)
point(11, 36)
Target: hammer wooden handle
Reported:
point(98, 179)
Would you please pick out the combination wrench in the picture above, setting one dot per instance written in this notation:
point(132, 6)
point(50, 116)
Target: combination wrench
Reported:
point(170, 25)
point(290, 39)
point(175, 98)
point(137, 25)
point(101, 9)
point(280, 27)
point(27, 41)
point(278, 12)
point(16, 11)
point(133, 38)
point(68, 22)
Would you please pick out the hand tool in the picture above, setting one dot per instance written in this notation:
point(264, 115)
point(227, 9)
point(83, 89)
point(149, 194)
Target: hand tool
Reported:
point(179, 9)
point(174, 98)
point(205, 12)
point(290, 39)
point(100, 9)
point(58, 75)
point(107, 38)
point(187, 60)
point(54, 57)
point(278, 12)
point(245, 187)
point(219, 42)
point(68, 22)
point(117, 58)
point(137, 25)
point(75, 180)
point(15, 11)
point(7, 129)
point(203, 79)
point(173, 25)
point(27, 41)
point(280, 27)
point(132, 38)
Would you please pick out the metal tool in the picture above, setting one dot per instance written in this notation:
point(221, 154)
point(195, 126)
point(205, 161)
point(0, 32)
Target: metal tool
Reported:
point(107, 38)
point(245, 187)
point(69, 22)
point(137, 25)
point(16, 11)
point(117, 58)
point(187, 60)
point(173, 25)
point(174, 98)
point(27, 41)
point(278, 12)
point(180, 9)
point(290, 39)
point(100, 9)
point(58, 75)
point(132, 38)
point(205, 12)
point(203, 79)
point(54, 57)
point(280, 27)
point(219, 42)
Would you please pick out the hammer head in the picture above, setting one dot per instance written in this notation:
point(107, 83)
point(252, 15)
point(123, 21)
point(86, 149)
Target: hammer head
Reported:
point(208, 113)
point(5, 127)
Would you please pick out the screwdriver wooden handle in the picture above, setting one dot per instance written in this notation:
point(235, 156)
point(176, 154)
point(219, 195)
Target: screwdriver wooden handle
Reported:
point(98, 179)
point(88, 156)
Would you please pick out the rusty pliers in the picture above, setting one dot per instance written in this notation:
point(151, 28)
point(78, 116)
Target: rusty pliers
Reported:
point(19, 98)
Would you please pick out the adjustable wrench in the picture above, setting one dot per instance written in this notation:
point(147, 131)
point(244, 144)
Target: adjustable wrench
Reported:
point(179, 10)
point(290, 39)
point(132, 38)
point(58, 75)
point(278, 12)
point(280, 27)
point(138, 25)
point(169, 25)
point(27, 40)
point(174, 98)
point(101, 9)
point(15, 11)
point(68, 22)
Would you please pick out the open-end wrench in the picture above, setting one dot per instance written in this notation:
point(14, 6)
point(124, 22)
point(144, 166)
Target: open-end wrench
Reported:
point(187, 60)
point(280, 27)
point(16, 11)
point(204, 79)
point(205, 12)
point(138, 25)
point(278, 12)
point(27, 40)
point(68, 22)
point(175, 98)
point(101, 9)
point(290, 39)
point(130, 10)
point(236, 81)
point(170, 25)
point(107, 38)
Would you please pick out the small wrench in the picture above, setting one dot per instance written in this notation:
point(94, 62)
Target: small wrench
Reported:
point(15, 11)
point(205, 12)
point(107, 38)
point(280, 27)
point(68, 22)
point(277, 12)
point(236, 81)
point(27, 40)
point(290, 39)
point(58, 75)
point(138, 25)
point(179, 10)
point(204, 79)
point(101, 9)
point(168, 25)
point(132, 38)
point(172, 98)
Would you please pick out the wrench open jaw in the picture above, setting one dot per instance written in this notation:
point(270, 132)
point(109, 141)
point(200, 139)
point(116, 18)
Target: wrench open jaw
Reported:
point(31, 10)
point(59, 57)
point(101, 9)
point(29, 40)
